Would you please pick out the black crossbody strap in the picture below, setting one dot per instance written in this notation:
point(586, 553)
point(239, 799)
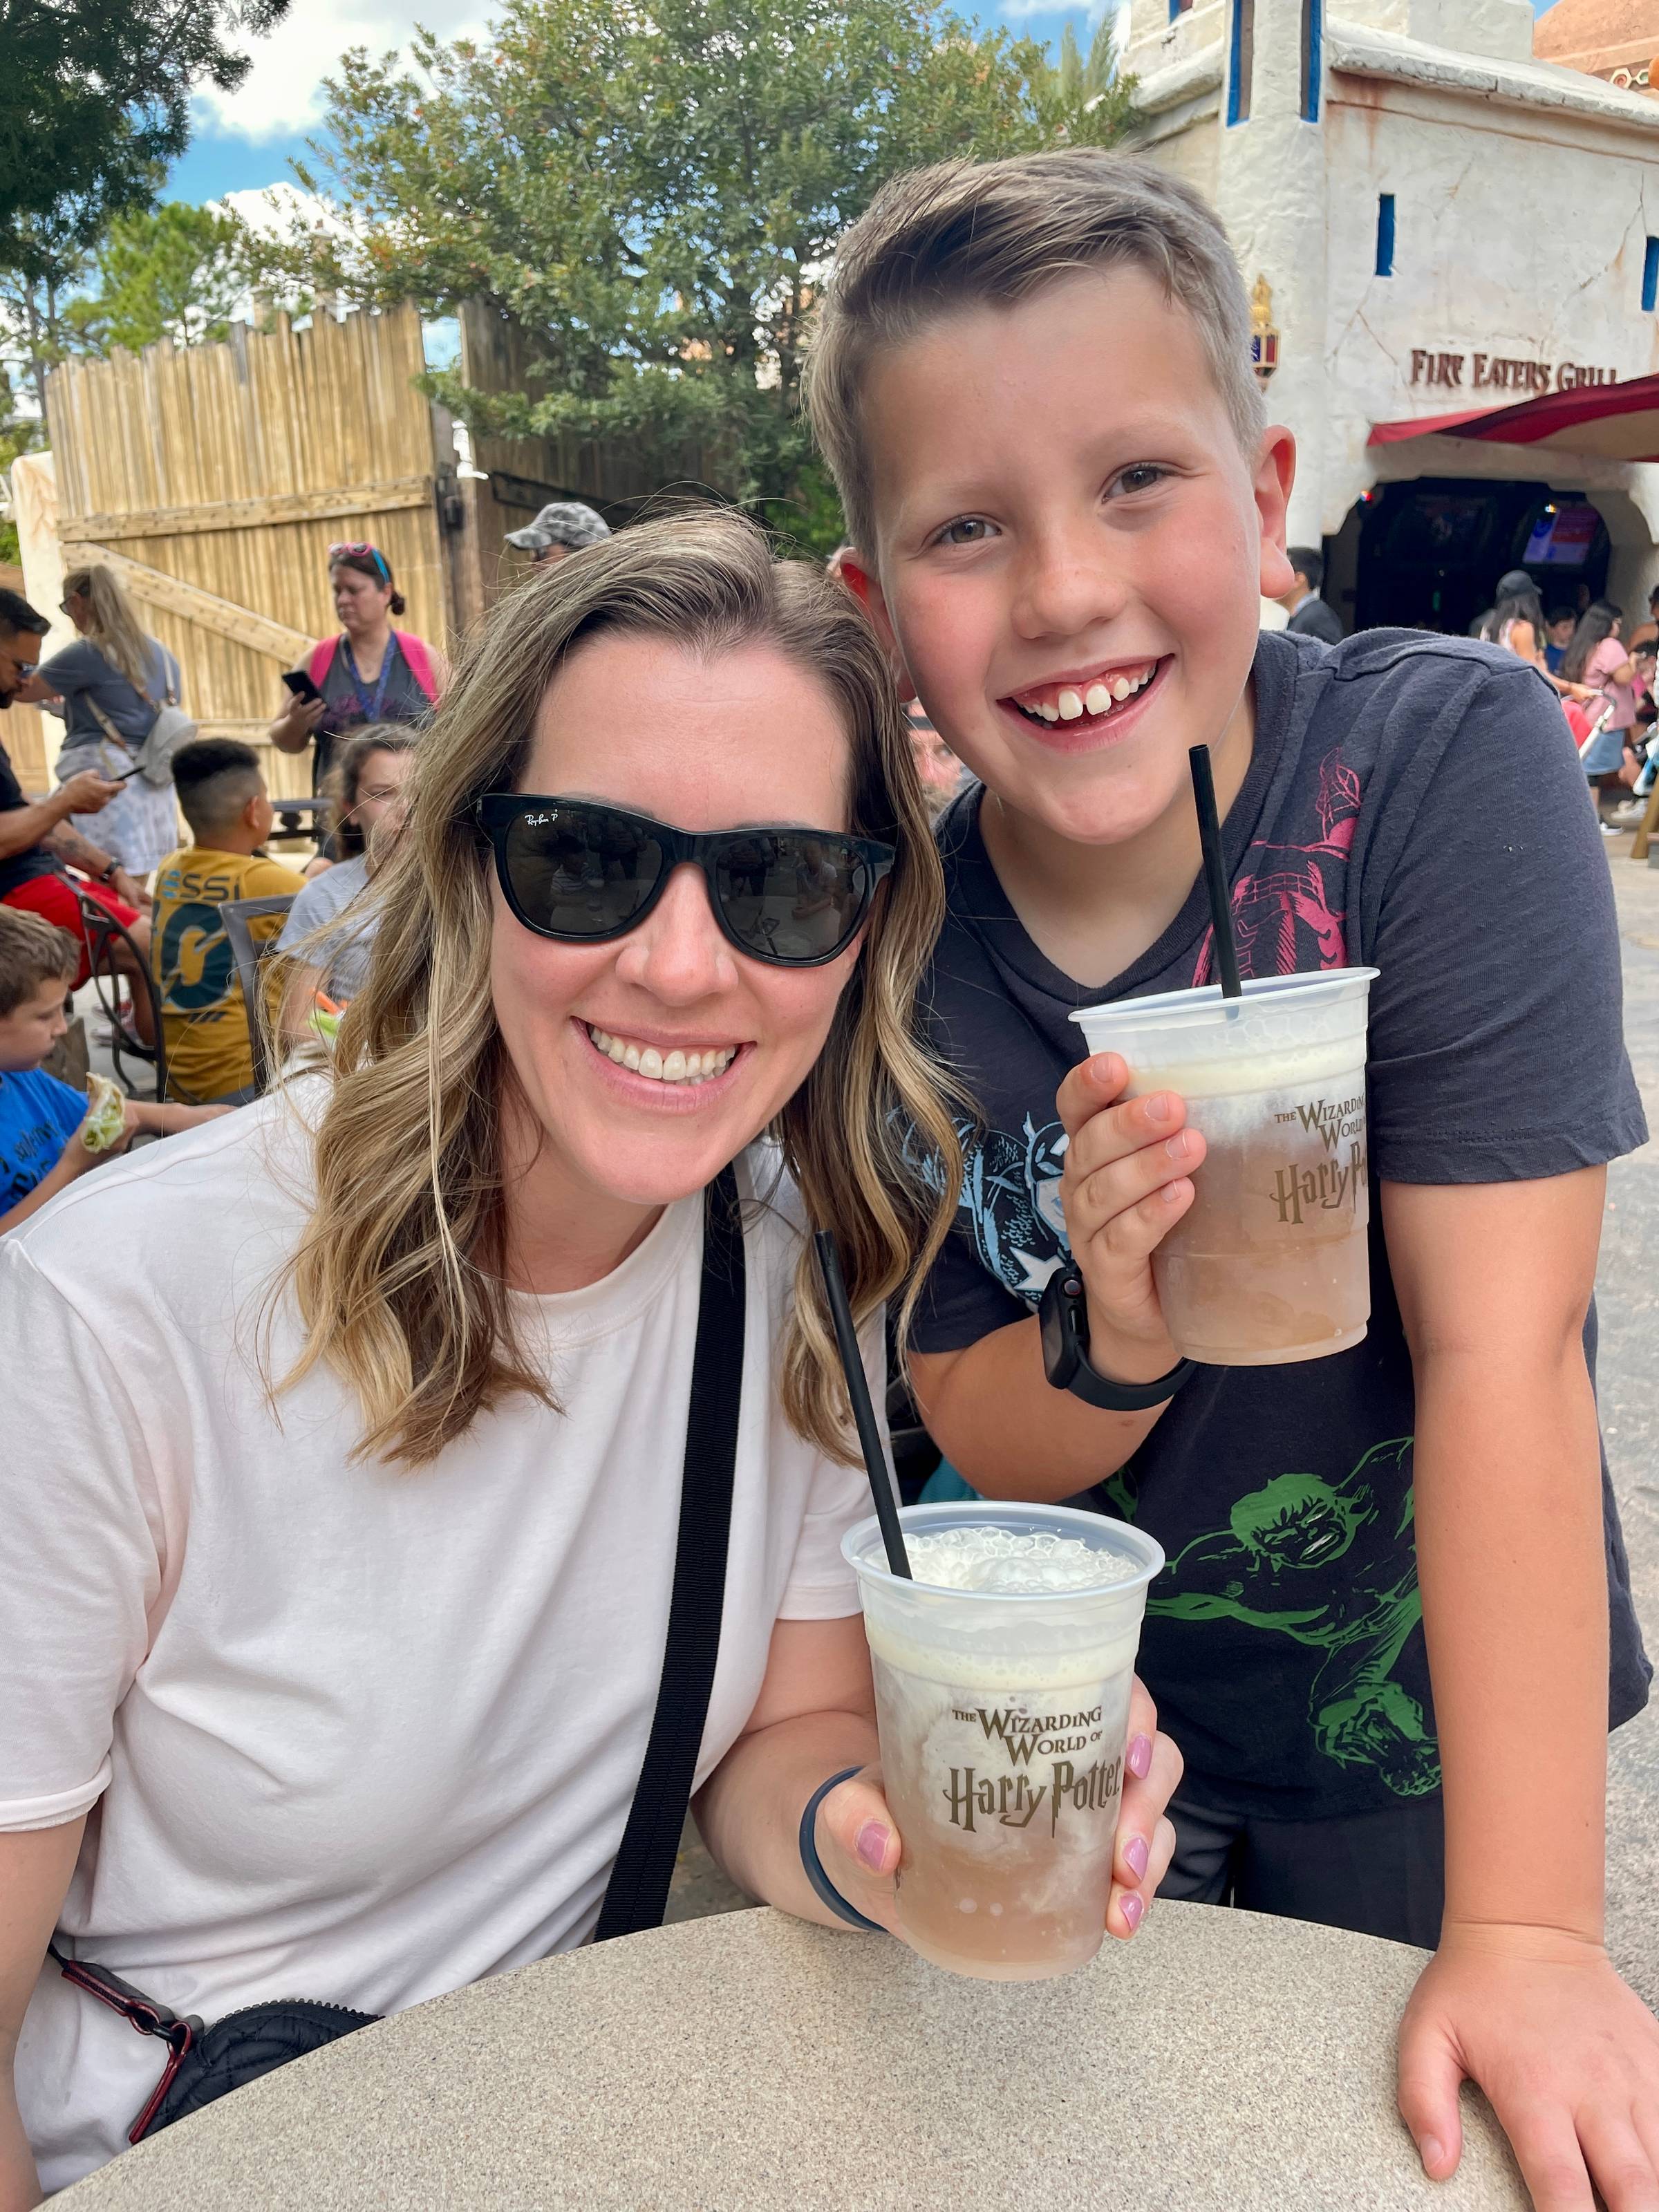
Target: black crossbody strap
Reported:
point(645, 1863)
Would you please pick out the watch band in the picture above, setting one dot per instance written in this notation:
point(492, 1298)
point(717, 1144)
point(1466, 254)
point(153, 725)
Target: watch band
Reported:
point(1065, 1322)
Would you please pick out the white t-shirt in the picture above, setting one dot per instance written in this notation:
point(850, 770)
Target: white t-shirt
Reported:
point(351, 1733)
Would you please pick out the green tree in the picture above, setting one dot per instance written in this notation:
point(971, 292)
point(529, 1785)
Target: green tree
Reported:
point(651, 199)
point(175, 271)
point(97, 101)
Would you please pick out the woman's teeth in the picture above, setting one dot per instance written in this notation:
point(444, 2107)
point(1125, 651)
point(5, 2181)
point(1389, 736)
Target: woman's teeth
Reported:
point(1070, 705)
point(664, 1066)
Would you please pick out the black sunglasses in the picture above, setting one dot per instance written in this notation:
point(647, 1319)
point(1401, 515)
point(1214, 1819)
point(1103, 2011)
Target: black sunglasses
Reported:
point(581, 872)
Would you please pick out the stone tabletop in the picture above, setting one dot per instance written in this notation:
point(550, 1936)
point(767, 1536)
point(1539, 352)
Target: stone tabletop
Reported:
point(1221, 2062)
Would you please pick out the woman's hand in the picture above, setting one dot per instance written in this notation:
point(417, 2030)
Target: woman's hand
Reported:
point(291, 730)
point(860, 1846)
point(1567, 2054)
point(1126, 1183)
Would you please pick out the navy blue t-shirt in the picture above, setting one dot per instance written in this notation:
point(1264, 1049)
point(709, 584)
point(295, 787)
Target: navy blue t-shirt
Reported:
point(37, 1117)
point(1415, 804)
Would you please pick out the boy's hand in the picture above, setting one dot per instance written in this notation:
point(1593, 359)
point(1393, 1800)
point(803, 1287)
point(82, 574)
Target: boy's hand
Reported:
point(1567, 2054)
point(1125, 1185)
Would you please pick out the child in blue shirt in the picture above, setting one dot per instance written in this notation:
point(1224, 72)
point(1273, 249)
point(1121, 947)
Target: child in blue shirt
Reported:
point(42, 1120)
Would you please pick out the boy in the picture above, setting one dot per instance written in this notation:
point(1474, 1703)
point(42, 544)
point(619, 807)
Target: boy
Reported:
point(1558, 627)
point(221, 795)
point(43, 1121)
point(1031, 382)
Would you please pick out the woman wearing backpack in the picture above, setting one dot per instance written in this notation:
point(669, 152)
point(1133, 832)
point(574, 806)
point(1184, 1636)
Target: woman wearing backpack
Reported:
point(114, 682)
point(370, 673)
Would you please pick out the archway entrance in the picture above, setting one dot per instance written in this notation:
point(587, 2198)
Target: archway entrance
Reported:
point(1426, 554)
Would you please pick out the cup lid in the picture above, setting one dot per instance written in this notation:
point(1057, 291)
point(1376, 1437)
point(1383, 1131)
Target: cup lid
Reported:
point(1167, 1009)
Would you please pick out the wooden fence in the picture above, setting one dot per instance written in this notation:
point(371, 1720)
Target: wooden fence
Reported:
point(212, 480)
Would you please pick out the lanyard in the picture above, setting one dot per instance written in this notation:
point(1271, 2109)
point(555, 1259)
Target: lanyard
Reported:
point(371, 708)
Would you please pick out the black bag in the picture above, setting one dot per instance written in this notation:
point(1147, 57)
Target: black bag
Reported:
point(206, 2063)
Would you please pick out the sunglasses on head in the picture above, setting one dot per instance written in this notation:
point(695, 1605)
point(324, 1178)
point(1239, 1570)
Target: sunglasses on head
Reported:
point(581, 872)
point(362, 550)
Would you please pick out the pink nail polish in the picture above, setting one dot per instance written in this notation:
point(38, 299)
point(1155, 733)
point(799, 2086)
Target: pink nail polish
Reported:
point(1135, 1856)
point(871, 1844)
point(1133, 1909)
point(1139, 1757)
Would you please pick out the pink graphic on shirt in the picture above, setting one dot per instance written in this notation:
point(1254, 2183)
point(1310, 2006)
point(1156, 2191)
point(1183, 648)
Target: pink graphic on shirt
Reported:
point(1290, 902)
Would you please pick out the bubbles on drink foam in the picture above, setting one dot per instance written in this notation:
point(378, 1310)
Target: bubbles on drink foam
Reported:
point(1013, 1562)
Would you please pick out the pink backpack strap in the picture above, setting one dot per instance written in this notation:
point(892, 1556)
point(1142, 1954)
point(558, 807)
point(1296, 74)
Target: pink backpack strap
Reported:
point(416, 652)
point(322, 656)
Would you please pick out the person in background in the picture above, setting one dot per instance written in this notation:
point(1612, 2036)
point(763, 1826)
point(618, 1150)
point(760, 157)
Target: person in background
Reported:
point(1598, 660)
point(38, 844)
point(370, 673)
point(1558, 627)
point(221, 795)
point(110, 686)
point(1309, 617)
point(941, 771)
point(1648, 631)
point(561, 528)
point(45, 1140)
point(370, 802)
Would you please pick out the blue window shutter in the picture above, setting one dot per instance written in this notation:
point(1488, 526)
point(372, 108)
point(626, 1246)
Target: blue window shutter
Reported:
point(1385, 234)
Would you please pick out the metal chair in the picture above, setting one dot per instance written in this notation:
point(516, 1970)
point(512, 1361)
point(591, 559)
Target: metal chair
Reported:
point(250, 954)
point(104, 932)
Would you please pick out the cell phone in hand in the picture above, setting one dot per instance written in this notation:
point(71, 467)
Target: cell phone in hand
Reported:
point(299, 684)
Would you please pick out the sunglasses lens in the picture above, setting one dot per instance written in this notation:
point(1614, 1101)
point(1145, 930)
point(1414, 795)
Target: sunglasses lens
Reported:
point(580, 871)
point(790, 895)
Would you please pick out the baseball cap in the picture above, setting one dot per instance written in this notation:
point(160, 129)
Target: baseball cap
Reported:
point(564, 522)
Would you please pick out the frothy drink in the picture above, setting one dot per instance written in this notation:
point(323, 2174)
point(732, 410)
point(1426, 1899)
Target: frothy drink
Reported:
point(1003, 1676)
point(1271, 1261)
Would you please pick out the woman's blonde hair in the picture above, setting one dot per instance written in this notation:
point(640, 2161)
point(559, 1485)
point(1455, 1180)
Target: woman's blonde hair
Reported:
point(399, 1275)
point(113, 626)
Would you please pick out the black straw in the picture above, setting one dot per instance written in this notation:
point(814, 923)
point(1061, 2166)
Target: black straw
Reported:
point(864, 1413)
point(1215, 873)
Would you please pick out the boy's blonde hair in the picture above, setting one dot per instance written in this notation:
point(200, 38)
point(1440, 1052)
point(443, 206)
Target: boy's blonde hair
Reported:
point(33, 952)
point(967, 234)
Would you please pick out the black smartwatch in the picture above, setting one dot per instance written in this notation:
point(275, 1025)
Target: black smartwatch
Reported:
point(1064, 1317)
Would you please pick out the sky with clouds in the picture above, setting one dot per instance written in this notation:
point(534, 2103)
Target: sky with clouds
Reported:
point(248, 139)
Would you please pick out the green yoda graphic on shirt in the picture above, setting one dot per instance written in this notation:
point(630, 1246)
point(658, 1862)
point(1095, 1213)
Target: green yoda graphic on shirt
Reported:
point(1334, 1567)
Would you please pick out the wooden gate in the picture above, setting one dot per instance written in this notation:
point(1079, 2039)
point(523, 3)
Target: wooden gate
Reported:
point(213, 479)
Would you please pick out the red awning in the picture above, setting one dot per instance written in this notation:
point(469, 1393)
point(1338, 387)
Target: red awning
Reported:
point(1614, 421)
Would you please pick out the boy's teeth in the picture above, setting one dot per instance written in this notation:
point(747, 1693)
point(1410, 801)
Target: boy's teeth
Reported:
point(675, 1066)
point(1069, 704)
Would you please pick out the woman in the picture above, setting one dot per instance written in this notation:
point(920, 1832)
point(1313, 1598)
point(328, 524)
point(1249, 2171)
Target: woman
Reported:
point(1517, 624)
point(1598, 662)
point(370, 673)
point(113, 683)
point(370, 793)
point(343, 1600)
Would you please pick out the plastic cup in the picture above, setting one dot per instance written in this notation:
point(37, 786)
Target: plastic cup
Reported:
point(1271, 1261)
point(1003, 1722)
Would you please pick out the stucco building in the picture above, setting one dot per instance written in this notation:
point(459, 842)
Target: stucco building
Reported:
point(1435, 223)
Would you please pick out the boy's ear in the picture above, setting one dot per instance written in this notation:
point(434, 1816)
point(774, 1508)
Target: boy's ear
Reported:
point(865, 588)
point(1275, 473)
